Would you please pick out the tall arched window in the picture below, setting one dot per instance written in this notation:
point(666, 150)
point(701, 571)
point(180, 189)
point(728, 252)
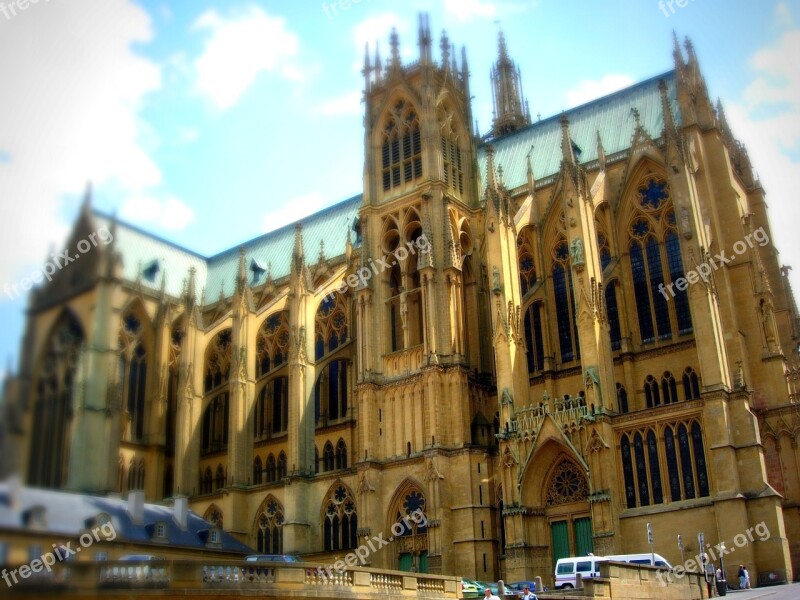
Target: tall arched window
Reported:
point(603, 250)
point(684, 448)
point(452, 167)
point(669, 388)
point(272, 409)
point(215, 425)
point(691, 384)
point(654, 272)
point(331, 392)
point(217, 373)
point(330, 325)
point(269, 527)
point(341, 454)
point(328, 457)
point(700, 460)
point(651, 394)
point(527, 266)
point(655, 468)
point(673, 471)
point(641, 470)
point(613, 315)
point(282, 469)
point(565, 304)
point(219, 478)
point(340, 520)
point(271, 470)
point(52, 412)
point(258, 471)
point(675, 262)
point(133, 358)
point(272, 343)
point(401, 151)
point(207, 482)
point(622, 398)
point(534, 338)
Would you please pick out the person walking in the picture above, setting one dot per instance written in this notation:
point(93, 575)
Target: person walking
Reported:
point(527, 594)
point(744, 578)
point(488, 595)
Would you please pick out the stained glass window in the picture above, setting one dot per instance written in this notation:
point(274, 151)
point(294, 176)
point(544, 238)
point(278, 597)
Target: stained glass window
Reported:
point(672, 465)
point(653, 193)
point(700, 460)
point(533, 338)
point(613, 315)
point(686, 461)
point(340, 523)
point(627, 471)
point(655, 469)
point(641, 470)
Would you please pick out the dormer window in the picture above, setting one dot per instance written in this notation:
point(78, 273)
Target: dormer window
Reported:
point(151, 270)
point(258, 270)
point(161, 530)
point(35, 517)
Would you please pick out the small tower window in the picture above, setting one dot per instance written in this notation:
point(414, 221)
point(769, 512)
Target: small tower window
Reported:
point(401, 152)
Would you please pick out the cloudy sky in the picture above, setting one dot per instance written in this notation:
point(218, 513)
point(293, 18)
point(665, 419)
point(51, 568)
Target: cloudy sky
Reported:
point(211, 122)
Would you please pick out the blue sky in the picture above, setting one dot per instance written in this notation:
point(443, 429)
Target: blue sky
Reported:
point(209, 123)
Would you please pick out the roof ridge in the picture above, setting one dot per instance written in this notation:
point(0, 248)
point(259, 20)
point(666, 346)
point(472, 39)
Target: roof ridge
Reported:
point(571, 111)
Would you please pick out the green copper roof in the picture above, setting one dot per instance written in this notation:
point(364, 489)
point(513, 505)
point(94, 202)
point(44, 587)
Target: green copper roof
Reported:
point(144, 254)
point(611, 115)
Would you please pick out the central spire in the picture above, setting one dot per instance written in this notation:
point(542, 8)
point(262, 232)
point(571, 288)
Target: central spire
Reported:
point(511, 111)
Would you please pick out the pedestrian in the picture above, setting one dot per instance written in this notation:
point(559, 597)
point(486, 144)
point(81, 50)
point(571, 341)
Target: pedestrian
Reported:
point(708, 570)
point(527, 594)
point(488, 595)
point(744, 578)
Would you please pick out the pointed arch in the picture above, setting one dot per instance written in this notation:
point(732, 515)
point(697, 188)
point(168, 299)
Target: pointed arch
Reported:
point(134, 343)
point(272, 343)
point(339, 518)
point(56, 372)
point(268, 526)
point(400, 139)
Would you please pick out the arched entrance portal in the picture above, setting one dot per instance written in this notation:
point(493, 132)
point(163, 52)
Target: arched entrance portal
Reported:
point(567, 511)
point(410, 536)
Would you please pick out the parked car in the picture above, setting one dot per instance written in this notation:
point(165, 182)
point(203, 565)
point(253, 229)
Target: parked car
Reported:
point(287, 558)
point(518, 586)
point(494, 586)
point(645, 558)
point(568, 568)
point(471, 589)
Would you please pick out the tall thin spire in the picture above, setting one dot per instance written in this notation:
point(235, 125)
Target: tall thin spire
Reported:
point(567, 154)
point(511, 110)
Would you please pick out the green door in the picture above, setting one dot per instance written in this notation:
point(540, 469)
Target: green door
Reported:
point(559, 531)
point(583, 536)
point(406, 561)
point(423, 561)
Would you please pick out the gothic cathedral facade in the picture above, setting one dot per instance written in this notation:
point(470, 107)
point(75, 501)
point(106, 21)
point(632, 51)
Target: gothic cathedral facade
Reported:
point(534, 336)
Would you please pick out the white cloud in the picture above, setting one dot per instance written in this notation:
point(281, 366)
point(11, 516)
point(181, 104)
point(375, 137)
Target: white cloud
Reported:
point(293, 210)
point(464, 10)
point(168, 212)
point(346, 104)
point(591, 89)
point(72, 91)
point(238, 49)
point(769, 125)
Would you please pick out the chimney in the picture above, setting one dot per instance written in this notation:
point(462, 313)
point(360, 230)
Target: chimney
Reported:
point(15, 492)
point(180, 511)
point(136, 506)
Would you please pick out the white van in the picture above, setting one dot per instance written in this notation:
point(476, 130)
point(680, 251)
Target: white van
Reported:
point(642, 559)
point(568, 568)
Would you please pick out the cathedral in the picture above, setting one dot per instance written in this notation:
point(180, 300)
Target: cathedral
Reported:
point(549, 338)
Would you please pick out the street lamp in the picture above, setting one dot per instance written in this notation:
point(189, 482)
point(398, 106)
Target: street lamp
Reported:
point(722, 562)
